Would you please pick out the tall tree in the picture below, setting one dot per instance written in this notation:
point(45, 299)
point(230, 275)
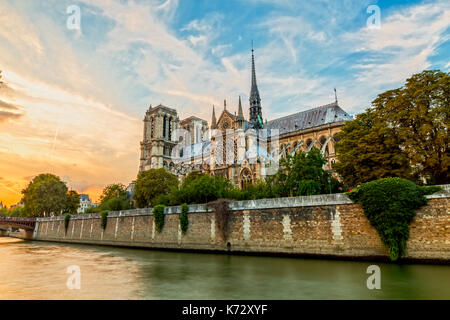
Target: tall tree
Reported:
point(369, 150)
point(114, 197)
point(419, 114)
point(46, 194)
point(303, 174)
point(151, 184)
point(404, 134)
point(72, 202)
point(116, 190)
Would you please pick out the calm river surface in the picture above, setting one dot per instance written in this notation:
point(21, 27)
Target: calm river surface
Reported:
point(38, 270)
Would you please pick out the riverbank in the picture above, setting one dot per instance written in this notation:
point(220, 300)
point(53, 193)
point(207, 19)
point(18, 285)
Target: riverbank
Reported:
point(320, 226)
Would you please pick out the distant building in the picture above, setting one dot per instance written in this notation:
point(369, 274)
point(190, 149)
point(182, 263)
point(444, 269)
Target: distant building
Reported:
point(130, 190)
point(2, 206)
point(85, 203)
point(19, 204)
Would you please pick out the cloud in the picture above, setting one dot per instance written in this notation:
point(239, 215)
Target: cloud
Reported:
point(5, 105)
point(4, 116)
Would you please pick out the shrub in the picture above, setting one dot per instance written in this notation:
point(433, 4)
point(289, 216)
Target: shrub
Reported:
point(115, 204)
point(308, 188)
point(184, 221)
point(158, 216)
point(104, 218)
point(66, 221)
point(161, 199)
point(390, 205)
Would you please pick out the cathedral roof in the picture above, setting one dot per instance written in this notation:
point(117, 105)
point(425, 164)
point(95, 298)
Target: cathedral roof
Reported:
point(325, 114)
point(192, 118)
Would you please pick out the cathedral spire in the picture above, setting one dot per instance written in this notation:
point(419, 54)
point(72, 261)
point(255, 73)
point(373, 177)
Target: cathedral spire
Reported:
point(240, 113)
point(255, 99)
point(213, 120)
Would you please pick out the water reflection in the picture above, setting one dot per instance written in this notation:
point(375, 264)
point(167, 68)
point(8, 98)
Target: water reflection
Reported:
point(37, 270)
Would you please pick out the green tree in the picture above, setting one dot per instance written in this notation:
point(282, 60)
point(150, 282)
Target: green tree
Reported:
point(369, 150)
point(72, 202)
point(4, 212)
point(404, 134)
point(113, 198)
point(303, 174)
point(116, 190)
point(151, 184)
point(201, 188)
point(44, 195)
point(419, 114)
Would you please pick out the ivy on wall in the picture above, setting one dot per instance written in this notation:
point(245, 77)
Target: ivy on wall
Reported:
point(390, 205)
point(66, 221)
point(104, 218)
point(158, 216)
point(184, 221)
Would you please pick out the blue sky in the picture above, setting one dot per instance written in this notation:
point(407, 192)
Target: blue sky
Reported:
point(74, 97)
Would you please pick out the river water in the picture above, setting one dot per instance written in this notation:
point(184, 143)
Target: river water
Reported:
point(38, 270)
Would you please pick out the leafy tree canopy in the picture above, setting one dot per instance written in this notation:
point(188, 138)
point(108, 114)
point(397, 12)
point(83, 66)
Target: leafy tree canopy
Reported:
point(116, 190)
point(46, 194)
point(201, 188)
point(113, 198)
point(72, 202)
point(404, 134)
point(303, 174)
point(151, 184)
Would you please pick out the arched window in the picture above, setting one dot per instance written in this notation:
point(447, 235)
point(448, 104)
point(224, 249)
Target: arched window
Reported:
point(246, 178)
point(170, 129)
point(322, 140)
point(153, 128)
point(164, 126)
point(336, 137)
point(308, 142)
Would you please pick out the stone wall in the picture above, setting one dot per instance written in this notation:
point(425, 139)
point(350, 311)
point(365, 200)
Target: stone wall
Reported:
point(325, 225)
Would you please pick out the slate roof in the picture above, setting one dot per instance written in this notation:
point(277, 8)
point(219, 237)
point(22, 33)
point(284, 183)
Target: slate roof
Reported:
point(84, 197)
point(325, 114)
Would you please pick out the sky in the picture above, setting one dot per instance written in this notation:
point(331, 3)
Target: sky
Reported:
point(73, 100)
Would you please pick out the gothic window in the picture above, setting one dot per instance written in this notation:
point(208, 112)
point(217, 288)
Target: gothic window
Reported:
point(322, 140)
point(336, 138)
point(170, 128)
point(164, 126)
point(246, 178)
point(308, 142)
point(153, 128)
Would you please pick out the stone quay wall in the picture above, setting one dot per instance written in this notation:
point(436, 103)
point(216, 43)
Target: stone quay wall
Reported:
point(324, 225)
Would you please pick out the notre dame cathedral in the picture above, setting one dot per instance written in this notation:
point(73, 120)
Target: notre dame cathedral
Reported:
point(198, 147)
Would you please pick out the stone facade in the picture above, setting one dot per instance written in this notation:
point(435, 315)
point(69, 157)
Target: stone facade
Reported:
point(326, 225)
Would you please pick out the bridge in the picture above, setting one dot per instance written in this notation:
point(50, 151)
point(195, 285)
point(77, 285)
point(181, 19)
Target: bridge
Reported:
point(26, 224)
